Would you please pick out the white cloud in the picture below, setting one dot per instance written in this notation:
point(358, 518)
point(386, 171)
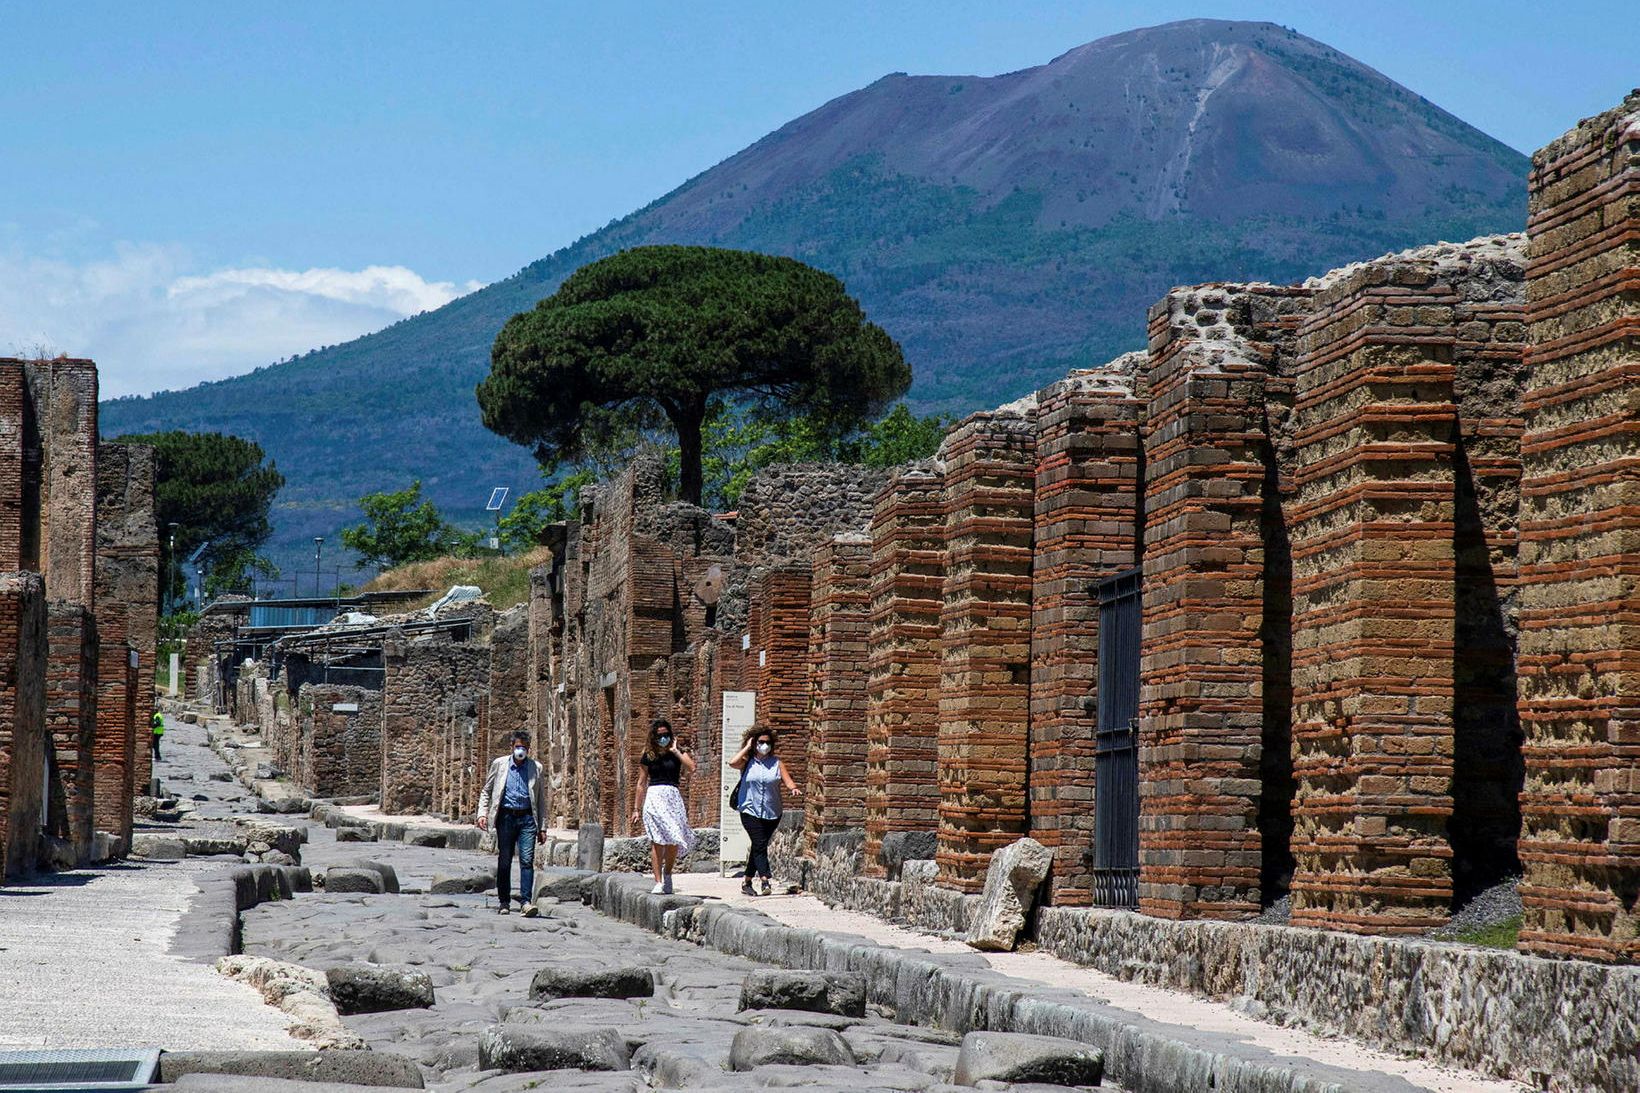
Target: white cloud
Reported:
point(152, 320)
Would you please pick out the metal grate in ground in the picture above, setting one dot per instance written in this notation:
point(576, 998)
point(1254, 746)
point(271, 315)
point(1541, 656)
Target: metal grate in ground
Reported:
point(78, 1069)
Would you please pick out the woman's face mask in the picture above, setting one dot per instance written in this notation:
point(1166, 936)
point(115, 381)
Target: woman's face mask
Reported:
point(664, 740)
point(519, 753)
point(763, 747)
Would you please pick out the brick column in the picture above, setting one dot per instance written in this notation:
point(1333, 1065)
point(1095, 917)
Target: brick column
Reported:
point(780, 658)
point(1580, 567)
point(985, 641)
point(23, 740)
point(903, 657)
point(839, 627)
point(1087, 478)
point(116, 739)
point(14, 412)
point(1374, 607)
point(67, 392)
point(71, 722)
point(1214, 636)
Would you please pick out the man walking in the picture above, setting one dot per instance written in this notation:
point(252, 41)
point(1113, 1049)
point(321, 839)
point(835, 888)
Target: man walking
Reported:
point(156, 726)
point(514, 804)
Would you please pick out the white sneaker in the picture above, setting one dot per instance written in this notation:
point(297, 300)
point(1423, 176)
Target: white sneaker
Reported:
point(659, 889)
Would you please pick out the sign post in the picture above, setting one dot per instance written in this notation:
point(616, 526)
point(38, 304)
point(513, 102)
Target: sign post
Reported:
point(734, 845)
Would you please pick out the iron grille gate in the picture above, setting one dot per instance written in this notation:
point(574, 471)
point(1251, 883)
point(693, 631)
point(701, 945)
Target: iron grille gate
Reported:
point(1116, 752)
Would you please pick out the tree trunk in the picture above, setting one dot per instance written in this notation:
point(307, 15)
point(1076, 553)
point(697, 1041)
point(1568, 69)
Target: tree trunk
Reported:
point(687, 423)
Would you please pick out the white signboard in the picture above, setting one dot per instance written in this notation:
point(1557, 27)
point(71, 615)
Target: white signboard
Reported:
point(175, 657)
point(739, 711)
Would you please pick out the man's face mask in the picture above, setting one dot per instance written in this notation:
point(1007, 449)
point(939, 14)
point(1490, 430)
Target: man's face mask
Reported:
point(664, 740)
point(519, 751)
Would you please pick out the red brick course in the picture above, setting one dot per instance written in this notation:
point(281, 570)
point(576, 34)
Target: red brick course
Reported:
point(839, 629)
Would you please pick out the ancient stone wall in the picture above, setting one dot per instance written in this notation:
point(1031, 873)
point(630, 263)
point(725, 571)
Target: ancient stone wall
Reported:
point(71, 724)
point(903, 656)
point(985, 640)
point(1088, 465)
point(1376, 537)
point(780, 646)
point(432, 687)
point(1580, 513)
point(64, 393)
point(340, 727)
point(23, 740)
point(839, 626)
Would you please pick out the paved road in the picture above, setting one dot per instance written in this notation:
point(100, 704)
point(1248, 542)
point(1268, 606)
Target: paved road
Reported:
point(84, 958)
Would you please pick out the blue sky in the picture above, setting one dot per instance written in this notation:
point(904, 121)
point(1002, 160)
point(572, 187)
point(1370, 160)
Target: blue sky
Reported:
point(194, 189)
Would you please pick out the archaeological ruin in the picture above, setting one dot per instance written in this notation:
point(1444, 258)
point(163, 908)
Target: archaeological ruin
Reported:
point(1321, 599)
point(79, 607)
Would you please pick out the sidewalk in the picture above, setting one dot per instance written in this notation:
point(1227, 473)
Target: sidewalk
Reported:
point(85, 960)
point(1171, 1007)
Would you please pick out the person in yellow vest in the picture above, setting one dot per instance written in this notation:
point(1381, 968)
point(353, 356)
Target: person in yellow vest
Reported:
point(156, 725)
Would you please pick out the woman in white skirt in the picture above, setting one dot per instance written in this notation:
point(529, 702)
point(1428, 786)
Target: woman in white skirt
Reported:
point(660, 804)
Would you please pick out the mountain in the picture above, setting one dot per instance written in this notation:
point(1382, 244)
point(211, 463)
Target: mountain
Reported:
point(1003, 228)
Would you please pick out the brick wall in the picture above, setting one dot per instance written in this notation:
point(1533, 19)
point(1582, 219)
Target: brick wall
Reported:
point(1580, 512)
point(71, 723)
point(23, 739)
point(341, 749)
point(1088, 462)
point(432, 685)
point(780, 653)
point(985, 640)
point(19, 469)
point(65, 397)
point(903, 656)
point(839, 626)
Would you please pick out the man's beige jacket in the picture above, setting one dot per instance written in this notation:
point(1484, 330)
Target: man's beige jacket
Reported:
point(495, 786)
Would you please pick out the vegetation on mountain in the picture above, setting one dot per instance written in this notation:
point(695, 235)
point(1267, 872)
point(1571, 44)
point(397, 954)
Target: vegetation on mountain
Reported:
point(671, 329)
point(214, 491)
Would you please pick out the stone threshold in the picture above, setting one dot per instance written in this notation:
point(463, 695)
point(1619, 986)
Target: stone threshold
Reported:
point(1551, 1024)
point(960, 994)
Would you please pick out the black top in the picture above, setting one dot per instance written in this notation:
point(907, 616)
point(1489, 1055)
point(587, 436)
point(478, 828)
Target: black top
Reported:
point(664, 769)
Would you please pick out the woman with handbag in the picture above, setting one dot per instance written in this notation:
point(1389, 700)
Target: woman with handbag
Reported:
point(659, 803)
point(757, 799)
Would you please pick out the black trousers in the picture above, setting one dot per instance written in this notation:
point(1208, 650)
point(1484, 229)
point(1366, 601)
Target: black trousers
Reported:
point(760, 831)
point(155, 737)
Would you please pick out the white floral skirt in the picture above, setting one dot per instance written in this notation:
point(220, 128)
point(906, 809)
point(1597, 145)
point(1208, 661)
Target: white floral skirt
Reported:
point(664, 819)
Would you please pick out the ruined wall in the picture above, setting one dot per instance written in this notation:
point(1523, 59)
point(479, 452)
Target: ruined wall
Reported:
point(903, 656)
point(839, 626)
point(1376, 538)
point(985, 640)
point(1580, 511)
point(780, 647)
point(64, 393)
point(432, 688)
point(71, 724)
point(341, 740)
point(23, 740)
point(1088, 463)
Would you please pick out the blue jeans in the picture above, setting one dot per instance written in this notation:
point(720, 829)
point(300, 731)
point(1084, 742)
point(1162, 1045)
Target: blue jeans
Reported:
point(515, 831)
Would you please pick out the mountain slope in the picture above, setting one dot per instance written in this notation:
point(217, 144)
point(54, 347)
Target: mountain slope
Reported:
point(1002, 228)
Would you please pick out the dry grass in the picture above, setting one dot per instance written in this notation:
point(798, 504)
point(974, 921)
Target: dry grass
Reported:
point(505, 580)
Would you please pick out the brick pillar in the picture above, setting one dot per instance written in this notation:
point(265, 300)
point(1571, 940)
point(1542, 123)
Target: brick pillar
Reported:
point(1087, 478)
point(71, 721)
point(116, 738)
point(23, 740)
point(903, 657)
point(1214, 635)
point(68, 424)
point(780, 658)
point(1580, 518)
point(1374, 606)
point(839, 629)
point(985, 641)
point(14, 411)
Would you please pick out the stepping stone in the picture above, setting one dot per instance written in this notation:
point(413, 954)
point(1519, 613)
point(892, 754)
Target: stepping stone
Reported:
point(355, 835)
point(342, 878)
point(516, 1048)
point(437, 839)
point(550, 983)
point(842, 993)
point(754, 1047)
point(365, 988)
point(1018, 1057)
point(444, 885)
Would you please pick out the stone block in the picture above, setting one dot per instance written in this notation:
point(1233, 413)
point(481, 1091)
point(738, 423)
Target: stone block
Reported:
point(367, 988)
point(1021, 1058)
point(1015, 874)
point(517, 1048)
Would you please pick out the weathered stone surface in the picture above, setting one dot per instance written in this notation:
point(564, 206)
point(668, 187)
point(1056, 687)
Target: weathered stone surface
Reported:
point(1016, 1057)
point(341, 878)
point(158, 847)
point(366, 988)
point(517, 1048)
point(589, 847)
point(842, 993)
point(754, 1047)
point(376, 1069)
point(481, 881)
point(556, 982)
point(355, 835)
point(557, 882)
point(900, 847)
point(206, 845)
point(427, 838)
point(389, 876)
point(1011, 883)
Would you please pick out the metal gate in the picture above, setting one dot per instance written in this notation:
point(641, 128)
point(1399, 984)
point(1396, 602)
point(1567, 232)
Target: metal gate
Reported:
point(1116, 754)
